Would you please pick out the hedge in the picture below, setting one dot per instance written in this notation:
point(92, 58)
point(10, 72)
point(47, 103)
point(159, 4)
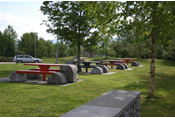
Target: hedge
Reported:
point(6, 59)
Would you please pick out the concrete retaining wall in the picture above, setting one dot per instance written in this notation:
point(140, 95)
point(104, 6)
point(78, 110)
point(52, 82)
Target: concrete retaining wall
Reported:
point(115, 103)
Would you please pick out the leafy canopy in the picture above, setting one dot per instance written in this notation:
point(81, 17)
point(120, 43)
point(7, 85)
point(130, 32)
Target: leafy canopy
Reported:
point(68, 20)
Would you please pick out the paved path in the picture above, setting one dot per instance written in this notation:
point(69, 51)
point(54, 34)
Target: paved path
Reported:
point(89, 73)
point(7, 62)
point(5, 79)
point(37, 81)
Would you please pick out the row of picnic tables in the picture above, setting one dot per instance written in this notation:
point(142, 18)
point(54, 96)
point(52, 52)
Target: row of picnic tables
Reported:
point(45, 69)
point(87, 64)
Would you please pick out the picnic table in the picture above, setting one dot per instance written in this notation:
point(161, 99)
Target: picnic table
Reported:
point(87, 64)
point(128, 60)
point(111, 62)
point(43, 69)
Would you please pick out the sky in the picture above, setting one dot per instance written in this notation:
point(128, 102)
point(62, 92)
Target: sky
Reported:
point(23, 16)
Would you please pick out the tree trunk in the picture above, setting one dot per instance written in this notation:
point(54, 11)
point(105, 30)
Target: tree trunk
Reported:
point(152, 64)
point(152, 68)
point(78, 58)
point(106, 51)
point(90, 51)
point(79, 44)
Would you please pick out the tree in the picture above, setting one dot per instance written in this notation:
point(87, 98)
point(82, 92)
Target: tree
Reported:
point(63, 49)
point(72, 49)
point(68, 20)
point(105, 15)
point(50, 49)
point(104, 44)
point(170, 51)
point(91, 44)
point(41, 48)
point(27, 43)
point(1, 44)
point(7, 42)
point(155, 18)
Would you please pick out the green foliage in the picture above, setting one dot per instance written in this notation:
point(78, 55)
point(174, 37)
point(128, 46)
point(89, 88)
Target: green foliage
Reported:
point(140, 49)
point(6, 59)
point(170, 52)
point(91, 45)
point(105, 16)
point(51, 49)
point(19, 52)
point(106, 20)
point(44, 48)
point(149, 17)
point(69, 21)
point(41, 48)
point(27, 43)
point(131, 48)
point(72, 50)
point(7, 42)
point(153, 17)
point(62, 49)
point(91, 25)
point(159, 51)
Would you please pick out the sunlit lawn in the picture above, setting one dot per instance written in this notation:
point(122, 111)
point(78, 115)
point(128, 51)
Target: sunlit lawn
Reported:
point(27, 100)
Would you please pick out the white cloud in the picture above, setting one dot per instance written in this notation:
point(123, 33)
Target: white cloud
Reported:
point(22, 25)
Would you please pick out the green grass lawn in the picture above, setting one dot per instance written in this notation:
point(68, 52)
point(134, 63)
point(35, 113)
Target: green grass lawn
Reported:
point(28, 100)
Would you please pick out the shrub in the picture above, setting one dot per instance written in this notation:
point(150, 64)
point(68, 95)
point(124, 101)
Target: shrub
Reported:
point(6, 59)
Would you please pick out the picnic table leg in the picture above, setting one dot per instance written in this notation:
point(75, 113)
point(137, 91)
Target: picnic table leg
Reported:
point(111, 66)
point(86, 65)
point(112, 63)
point(44, 77)
point(127, 61)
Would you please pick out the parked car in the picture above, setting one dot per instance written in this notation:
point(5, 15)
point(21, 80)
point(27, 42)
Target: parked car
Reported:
point(26, 59)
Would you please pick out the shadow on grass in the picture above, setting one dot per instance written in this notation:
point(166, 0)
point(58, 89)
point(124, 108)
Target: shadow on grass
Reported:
point(168, 63)
point(162, 105)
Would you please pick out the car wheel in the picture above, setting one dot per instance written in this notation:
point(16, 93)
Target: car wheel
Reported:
point(36, 61)
point(19, 61)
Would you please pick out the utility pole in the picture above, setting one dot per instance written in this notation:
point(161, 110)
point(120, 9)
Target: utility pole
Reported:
point(57, 52)
point(36, 33)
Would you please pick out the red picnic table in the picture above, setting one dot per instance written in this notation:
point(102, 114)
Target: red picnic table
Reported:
point(128, 60)
point(111, 62)
point(43, 69)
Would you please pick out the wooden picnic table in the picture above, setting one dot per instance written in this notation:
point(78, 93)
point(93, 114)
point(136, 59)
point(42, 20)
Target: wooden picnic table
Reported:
point(43, 69)
point(111, 62)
